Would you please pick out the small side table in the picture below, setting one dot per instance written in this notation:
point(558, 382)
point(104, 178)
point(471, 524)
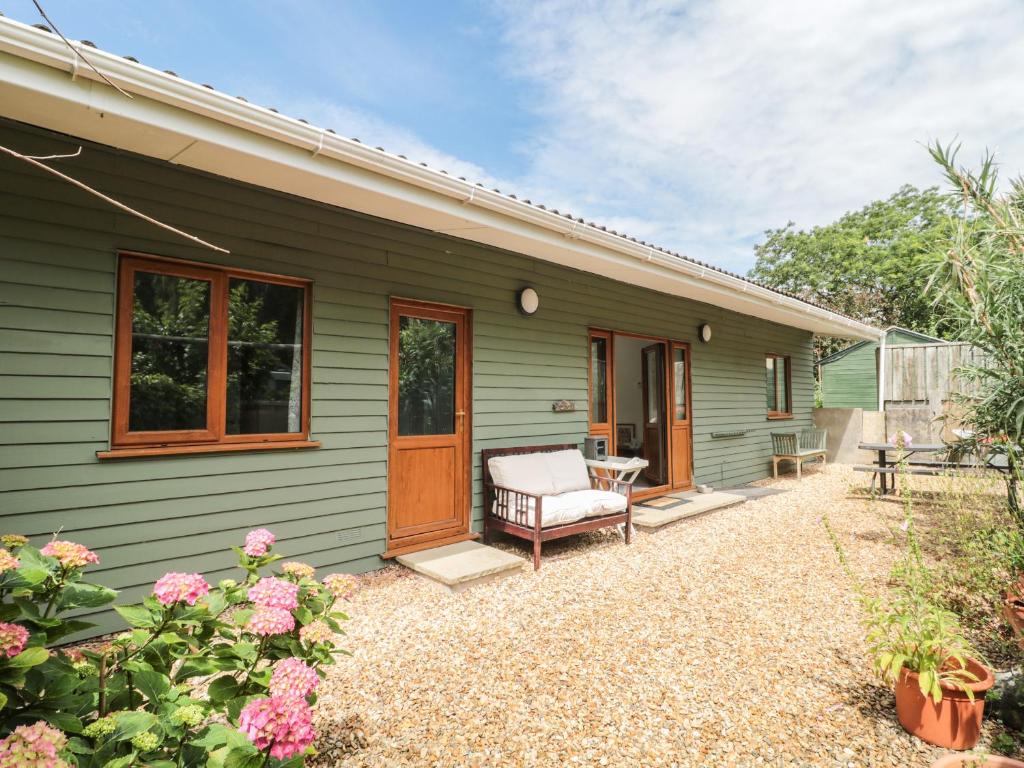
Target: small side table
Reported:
point(617, 468)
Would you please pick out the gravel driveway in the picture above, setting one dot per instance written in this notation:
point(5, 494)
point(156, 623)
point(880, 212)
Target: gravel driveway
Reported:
point(725, 640)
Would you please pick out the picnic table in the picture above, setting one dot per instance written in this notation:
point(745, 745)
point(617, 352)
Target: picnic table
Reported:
point(883, 467)
point(887, 468)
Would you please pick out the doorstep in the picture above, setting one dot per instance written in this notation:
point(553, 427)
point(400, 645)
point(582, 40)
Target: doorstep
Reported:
point(651, 518)
point(458, 567)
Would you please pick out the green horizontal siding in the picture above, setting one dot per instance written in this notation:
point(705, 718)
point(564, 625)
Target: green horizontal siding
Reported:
point(57, 252)
point(851, 381)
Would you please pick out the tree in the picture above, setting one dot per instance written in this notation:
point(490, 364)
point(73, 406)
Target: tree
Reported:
point(978, 283)
point(869, 264)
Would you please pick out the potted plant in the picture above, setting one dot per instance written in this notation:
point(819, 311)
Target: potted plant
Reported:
point(919, 648)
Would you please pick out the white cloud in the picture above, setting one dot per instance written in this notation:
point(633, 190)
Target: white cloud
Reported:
point(712, 121)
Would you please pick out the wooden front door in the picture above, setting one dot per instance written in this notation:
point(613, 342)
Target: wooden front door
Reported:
point(653, 386)
point(428, 426)
point(681, 430)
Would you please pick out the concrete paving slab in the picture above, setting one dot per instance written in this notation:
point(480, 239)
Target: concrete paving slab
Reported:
point(696, 504)
point(463, 565)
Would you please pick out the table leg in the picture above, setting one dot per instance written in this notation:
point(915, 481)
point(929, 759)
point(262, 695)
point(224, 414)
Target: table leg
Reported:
point(883, 479)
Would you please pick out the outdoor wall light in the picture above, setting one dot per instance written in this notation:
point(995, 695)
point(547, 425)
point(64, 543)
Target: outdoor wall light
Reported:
point(704, 332)
point(529, 301)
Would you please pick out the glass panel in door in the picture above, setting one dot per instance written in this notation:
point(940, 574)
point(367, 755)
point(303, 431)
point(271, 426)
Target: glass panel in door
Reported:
point(679, 383)
point(426, 377)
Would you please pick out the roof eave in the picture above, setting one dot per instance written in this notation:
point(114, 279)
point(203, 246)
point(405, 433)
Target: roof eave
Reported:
point(217, 133)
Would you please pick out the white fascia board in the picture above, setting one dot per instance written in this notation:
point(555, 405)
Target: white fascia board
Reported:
point(185, 123)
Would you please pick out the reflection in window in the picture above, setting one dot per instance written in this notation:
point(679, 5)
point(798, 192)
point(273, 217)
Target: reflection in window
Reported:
point(170, 353)
point(598, 380)
point(679, 383)
point(426, 377)
point(264, 386)
point(777, 385)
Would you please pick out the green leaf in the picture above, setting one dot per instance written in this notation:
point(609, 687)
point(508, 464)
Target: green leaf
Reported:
point(303, 615)
point(121, 762)
point(62, 720)
point(136, 616)
point(131, 723)
point(82, 595)
point(30, 657)
point(222, 689)
point(152, 684)
point(79, 746)
point(3, 700)
point(242, 757)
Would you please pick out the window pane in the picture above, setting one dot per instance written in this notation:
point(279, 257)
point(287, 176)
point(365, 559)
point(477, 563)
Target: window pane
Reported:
point(679, 382)
point(781, 371)
point(598, 380)
point(426, 377)
point(170, 353)
point(654, 385)
point(265, 352)
point(770, 381)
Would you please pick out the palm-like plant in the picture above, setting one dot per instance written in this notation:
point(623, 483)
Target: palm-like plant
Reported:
point(979, 282)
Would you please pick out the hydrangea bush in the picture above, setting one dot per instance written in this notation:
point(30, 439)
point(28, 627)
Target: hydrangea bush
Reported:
point(221, 676)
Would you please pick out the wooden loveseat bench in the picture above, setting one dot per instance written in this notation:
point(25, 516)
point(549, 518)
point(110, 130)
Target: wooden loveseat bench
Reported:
point(546, 492)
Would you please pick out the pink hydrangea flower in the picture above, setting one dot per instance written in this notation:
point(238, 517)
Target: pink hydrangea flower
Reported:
point(13, 540)
point(270, 621)
point(34, 746)
point(176, 587)
point(8, 562)
point(69, 554)
point(341, 585)
point(282, 723)
point(298, 570)
point(901, 439)
point(257, 542)
point(275, 593)
point(293, 677)
point(12, 639)
point(316, 632)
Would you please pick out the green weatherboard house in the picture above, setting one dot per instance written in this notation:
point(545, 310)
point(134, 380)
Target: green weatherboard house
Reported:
point(849, 377)
point(364, 328)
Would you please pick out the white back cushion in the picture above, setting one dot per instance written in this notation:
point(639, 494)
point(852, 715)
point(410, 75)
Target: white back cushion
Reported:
point(568, 471)
point(526, 472)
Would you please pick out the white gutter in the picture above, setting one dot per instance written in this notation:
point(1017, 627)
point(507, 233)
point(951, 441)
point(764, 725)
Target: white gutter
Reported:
point(26, 42)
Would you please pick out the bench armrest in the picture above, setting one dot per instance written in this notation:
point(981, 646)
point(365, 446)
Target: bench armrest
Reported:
point(513, 505)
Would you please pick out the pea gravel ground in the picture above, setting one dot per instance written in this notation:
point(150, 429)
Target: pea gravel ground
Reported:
point(726, 640)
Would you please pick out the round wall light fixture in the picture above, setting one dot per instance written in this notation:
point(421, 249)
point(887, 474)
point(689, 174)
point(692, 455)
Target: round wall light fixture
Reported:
point(704, 332)
point(529, 301)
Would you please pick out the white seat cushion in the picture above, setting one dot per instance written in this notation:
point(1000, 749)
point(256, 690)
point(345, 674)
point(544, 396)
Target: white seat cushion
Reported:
point(596, 502)
point(527, 472)
point(557, 511)
point(568, 471)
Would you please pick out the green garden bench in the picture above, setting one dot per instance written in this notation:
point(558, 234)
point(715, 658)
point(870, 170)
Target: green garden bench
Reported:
point(797, 447)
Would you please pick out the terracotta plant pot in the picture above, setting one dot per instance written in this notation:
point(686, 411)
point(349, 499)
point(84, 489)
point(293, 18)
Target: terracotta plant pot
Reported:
point(954, 722)
point(972, 761)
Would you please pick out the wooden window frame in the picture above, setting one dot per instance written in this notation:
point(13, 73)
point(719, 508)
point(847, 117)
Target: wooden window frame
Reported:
point(788, 367)
point(214, 437)
point(601, 428)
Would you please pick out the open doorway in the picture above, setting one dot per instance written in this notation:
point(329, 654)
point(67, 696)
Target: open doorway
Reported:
point(639, 398)
point(641, 415)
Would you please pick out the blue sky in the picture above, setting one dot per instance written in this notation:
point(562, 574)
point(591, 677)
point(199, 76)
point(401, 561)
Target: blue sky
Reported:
point(693, 124)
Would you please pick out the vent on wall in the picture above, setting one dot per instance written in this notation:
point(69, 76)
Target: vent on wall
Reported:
point(351, 536)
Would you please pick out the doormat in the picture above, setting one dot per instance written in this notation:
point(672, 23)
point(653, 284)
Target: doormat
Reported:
point(663, 502)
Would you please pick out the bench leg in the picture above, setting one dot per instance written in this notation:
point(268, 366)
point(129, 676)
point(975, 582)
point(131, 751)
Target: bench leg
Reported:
point(798, 465)
point(775, 468)
point(536, 554)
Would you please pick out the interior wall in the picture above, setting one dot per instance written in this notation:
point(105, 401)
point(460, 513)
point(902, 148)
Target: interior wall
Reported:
point(628, 381)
